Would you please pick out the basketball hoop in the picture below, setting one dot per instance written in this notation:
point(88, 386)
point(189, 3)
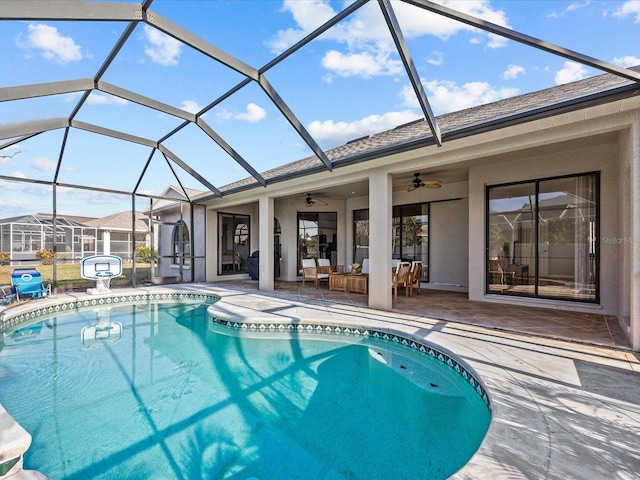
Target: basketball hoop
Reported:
point(103, 281)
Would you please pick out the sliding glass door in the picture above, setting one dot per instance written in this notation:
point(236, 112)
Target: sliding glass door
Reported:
point(542, 238)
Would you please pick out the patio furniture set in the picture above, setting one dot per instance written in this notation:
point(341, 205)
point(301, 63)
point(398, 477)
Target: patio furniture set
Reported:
point(405, 275)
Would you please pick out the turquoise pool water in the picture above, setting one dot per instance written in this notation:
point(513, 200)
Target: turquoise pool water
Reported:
point(159, 391)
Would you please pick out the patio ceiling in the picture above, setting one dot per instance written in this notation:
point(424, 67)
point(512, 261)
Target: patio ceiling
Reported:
point(181, 144)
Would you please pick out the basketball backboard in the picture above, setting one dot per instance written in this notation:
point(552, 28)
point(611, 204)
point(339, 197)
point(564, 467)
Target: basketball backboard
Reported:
point(98, 267)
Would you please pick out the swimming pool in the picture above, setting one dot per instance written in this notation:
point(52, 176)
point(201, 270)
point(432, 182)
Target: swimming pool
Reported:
point(170, 392)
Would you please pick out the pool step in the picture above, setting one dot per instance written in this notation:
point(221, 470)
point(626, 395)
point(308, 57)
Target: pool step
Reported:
point(14, 441)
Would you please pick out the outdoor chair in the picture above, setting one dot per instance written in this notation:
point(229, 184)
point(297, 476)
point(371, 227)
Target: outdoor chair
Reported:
point(365, 266)
point(311, 271)
point(416, 275)
point(401, 278)
point(324, 264)
point(7, 297)
point(28, 283)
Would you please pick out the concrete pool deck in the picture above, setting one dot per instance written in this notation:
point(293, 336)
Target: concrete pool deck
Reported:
point(561, 409)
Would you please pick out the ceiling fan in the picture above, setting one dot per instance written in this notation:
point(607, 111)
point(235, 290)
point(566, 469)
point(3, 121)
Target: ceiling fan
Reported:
point(310, 202)
point(418, 183)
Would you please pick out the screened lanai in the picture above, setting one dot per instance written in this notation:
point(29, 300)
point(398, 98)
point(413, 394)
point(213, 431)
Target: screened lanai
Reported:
point(111, 107)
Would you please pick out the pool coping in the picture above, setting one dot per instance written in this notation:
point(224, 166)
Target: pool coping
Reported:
point(531, 429)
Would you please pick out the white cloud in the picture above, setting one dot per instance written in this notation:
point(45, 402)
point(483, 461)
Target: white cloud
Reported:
point(95, 197)
point(50, 43)
point(26, 187)
point(626, 61)
point(570, 72)
point(629, 8)
point(417, 22)
point(43, 164)
point(446, 96)
point(253, 114)
point(577, 5)
point(330, 133)
point(6, 154)
point(308, 16)
point(436, 58)
point(191, 106)
point(366, 31)
point(13, 208)
point(513, 71)
point(102, 99)
point(362, 64)
point(161, 48)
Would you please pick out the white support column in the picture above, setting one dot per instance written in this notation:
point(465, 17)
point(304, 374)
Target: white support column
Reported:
point(380, 246)
point(265, 242)
point(634, 320)
point(106, 243)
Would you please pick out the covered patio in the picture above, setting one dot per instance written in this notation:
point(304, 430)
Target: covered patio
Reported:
point(448, 306)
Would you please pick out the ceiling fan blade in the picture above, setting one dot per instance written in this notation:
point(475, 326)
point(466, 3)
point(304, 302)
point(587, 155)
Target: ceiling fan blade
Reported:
point(432, 184)
point(411, 188)
point(321, 203)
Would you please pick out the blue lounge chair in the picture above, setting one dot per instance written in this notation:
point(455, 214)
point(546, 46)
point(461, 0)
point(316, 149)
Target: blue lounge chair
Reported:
point(6, 297)
point(28, 283)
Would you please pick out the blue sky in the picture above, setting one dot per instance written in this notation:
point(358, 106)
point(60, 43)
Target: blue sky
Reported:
point(347, 83)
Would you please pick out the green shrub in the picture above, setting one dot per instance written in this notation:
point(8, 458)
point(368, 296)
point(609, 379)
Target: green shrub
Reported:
point(143, 253)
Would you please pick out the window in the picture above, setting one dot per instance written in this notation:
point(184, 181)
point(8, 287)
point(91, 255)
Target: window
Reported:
point(235, 241)
point(410, 235)
point(181, 243)
point(542, 238)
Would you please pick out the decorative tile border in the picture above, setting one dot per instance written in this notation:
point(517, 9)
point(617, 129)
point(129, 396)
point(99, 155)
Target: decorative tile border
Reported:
point(439, 353)
point(13, 317)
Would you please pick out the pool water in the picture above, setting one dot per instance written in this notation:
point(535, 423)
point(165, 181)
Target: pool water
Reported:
point(159, 391)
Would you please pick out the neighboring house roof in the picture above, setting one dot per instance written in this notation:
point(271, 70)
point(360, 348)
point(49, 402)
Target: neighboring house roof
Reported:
point(73, 218)
point(174, 192)
point(522, 108)
point(121, 221)
point(117, 221)
point(43, 219)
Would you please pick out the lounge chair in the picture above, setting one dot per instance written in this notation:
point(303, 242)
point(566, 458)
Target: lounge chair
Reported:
point(7, 297)
point(28, 283)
